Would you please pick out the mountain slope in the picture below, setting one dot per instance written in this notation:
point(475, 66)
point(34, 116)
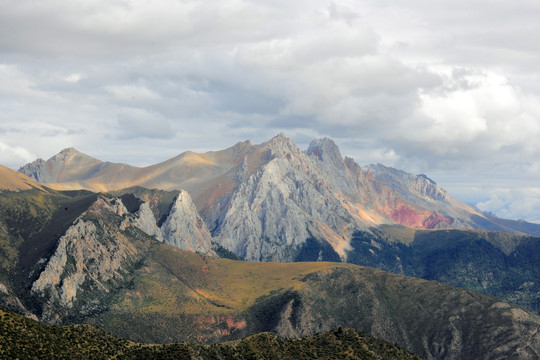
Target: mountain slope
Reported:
point(103, 269)
point(15, 181)
point(495, 263)
point(263, 202)
point(23, 338)
point(71, 169)
point(283, 204)
point(223, 299)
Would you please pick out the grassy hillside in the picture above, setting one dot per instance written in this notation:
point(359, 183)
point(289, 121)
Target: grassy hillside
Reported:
point(23, 215)
point(181, 296)
point(197, 298)
point(22, 338)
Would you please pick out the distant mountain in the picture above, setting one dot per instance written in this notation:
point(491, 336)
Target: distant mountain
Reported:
point(72, 257)
point(263, 202)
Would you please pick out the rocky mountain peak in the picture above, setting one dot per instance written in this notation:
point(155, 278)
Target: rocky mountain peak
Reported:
point(59, 167)
point(281, 141)
point(325, 150)
point(67, 155)
point(70, 151)
point(280, 146)
point(184, 228)
point(241, 146)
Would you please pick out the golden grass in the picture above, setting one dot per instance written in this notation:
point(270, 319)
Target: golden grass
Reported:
point(180, 282)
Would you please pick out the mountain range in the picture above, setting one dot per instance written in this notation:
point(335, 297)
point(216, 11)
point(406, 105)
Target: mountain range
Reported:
point(146, 257)
point(274, 202)
point(263, 201)
point(78, 257)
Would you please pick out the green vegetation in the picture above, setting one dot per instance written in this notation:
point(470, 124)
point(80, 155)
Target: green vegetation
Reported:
point(22, 338)
point(23, 215)
point(503, 265)
point(177, 294)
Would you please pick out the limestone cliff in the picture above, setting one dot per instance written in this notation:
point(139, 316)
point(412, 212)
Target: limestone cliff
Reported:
point(184, 228)
point(277, 207)
point(143, 219)
point(91, 258)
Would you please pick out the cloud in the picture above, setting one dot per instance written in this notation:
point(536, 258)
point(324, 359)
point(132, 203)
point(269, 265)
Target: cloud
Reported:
point(514, 203)
point(428, 87)
point(135, 123)
point(486, 122)
point(13, 155)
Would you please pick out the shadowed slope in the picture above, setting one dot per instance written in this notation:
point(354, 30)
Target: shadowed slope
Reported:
point(27, 339)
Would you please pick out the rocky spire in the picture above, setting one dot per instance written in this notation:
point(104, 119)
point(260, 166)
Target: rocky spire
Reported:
point(184, 228)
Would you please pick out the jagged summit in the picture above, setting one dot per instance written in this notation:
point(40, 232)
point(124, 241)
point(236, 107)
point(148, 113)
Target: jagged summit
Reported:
point(280, 144)
point(327, 151)
point(263, 201)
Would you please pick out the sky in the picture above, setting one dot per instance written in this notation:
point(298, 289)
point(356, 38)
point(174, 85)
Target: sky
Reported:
point(450, 89)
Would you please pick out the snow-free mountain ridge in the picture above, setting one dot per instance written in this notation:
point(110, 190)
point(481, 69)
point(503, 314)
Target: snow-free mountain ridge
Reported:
point(262, 202)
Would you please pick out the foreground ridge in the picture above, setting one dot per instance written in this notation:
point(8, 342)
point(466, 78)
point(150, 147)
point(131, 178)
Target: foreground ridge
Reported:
point(24, 338)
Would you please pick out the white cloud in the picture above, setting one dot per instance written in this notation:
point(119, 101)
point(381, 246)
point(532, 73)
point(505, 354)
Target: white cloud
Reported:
point(132, 93)
point(422, 85)
point(136, 123)
point(73, 78)
point(11, 156)
point(521, 203)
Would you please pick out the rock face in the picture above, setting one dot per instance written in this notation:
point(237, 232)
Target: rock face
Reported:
point(91, 258)
point(281, 204)
point(184, 228)
point(144, 219)
point(266, 201)
point(97, 251)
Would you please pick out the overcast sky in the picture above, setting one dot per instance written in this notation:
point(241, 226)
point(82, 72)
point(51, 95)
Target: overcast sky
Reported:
point(446, 88)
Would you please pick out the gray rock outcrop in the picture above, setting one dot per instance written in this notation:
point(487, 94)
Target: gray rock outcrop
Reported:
point(184, 228)
point(287, 200)
point(90, 256)
point(95, 252)
point(143, 219)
